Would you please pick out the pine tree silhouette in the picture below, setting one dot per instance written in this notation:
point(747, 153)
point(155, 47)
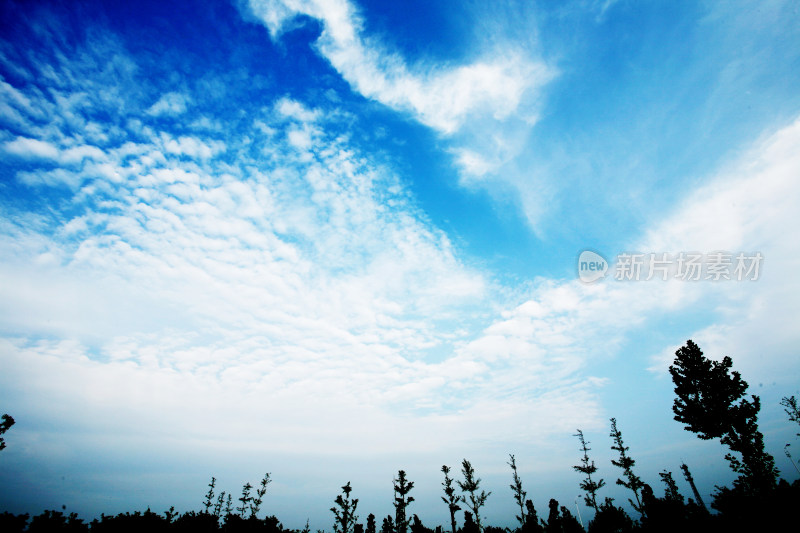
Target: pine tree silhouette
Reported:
point(711, 402)
point(626, 463)
point(245, 499)
point(532, 524)
point(344, 511)
point(553, 524)
point(255, 506)
point(210, 494)
point(689, 479)
point(588, 468)
point(450, 497)
point(470, 485)
point(519, 494)
point(401, 501)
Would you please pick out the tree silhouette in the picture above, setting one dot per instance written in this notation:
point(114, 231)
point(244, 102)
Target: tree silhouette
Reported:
point(210, 494)
point(345, 515)
point(262, 489)
point(689, 479)
point(531, 524)
point(371, 523)
point(469, 524)
point(789, 404)
point(588, 468)
point(470, 485)
point(245, 499)
point(5, 425)
point(710, 401)
point(129, 522)
point(570, 524)
point(450, 497)
point(401, 501)
point(56, 521)
point(609, 517)
point(11, 523)
point(228, 506)
point(519, 494)
point(218, 504)
point(388, 525)
point(553, 524)
point(418, 527)
point(671, 492)
point(625, 462)
point(560, 520)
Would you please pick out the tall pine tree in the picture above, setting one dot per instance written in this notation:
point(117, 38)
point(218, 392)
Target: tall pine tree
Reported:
point(711, 402)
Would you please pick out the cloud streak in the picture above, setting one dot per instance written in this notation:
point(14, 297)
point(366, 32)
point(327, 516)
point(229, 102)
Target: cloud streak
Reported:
point(442, 97)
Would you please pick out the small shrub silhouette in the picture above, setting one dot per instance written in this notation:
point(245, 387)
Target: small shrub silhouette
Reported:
point(11, 523)
point(5, 425)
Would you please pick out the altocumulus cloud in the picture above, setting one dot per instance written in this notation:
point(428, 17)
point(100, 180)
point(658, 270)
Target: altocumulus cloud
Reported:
point(181, 273)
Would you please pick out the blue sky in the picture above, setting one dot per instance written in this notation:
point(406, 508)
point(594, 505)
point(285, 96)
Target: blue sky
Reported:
point(331, 239)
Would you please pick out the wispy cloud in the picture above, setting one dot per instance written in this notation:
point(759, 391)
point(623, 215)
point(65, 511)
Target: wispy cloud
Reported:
point(441, 96)
point(747, 206)
point(485, 108)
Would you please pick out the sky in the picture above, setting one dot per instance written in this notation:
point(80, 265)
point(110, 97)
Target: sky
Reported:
point(333, 239)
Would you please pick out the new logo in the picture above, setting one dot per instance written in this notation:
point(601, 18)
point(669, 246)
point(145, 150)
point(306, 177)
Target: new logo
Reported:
point(591, 266)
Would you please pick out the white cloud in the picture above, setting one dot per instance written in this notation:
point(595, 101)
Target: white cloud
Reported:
point(293, 109)
point(191, 146)
point(440, 96)
point(293, 284)
point(78, 154)
point(183, 285)
point(16, 107)
point(749, 207)
point(31, 149)
point(169, 104)
point(486, 107)
point(473, 164)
